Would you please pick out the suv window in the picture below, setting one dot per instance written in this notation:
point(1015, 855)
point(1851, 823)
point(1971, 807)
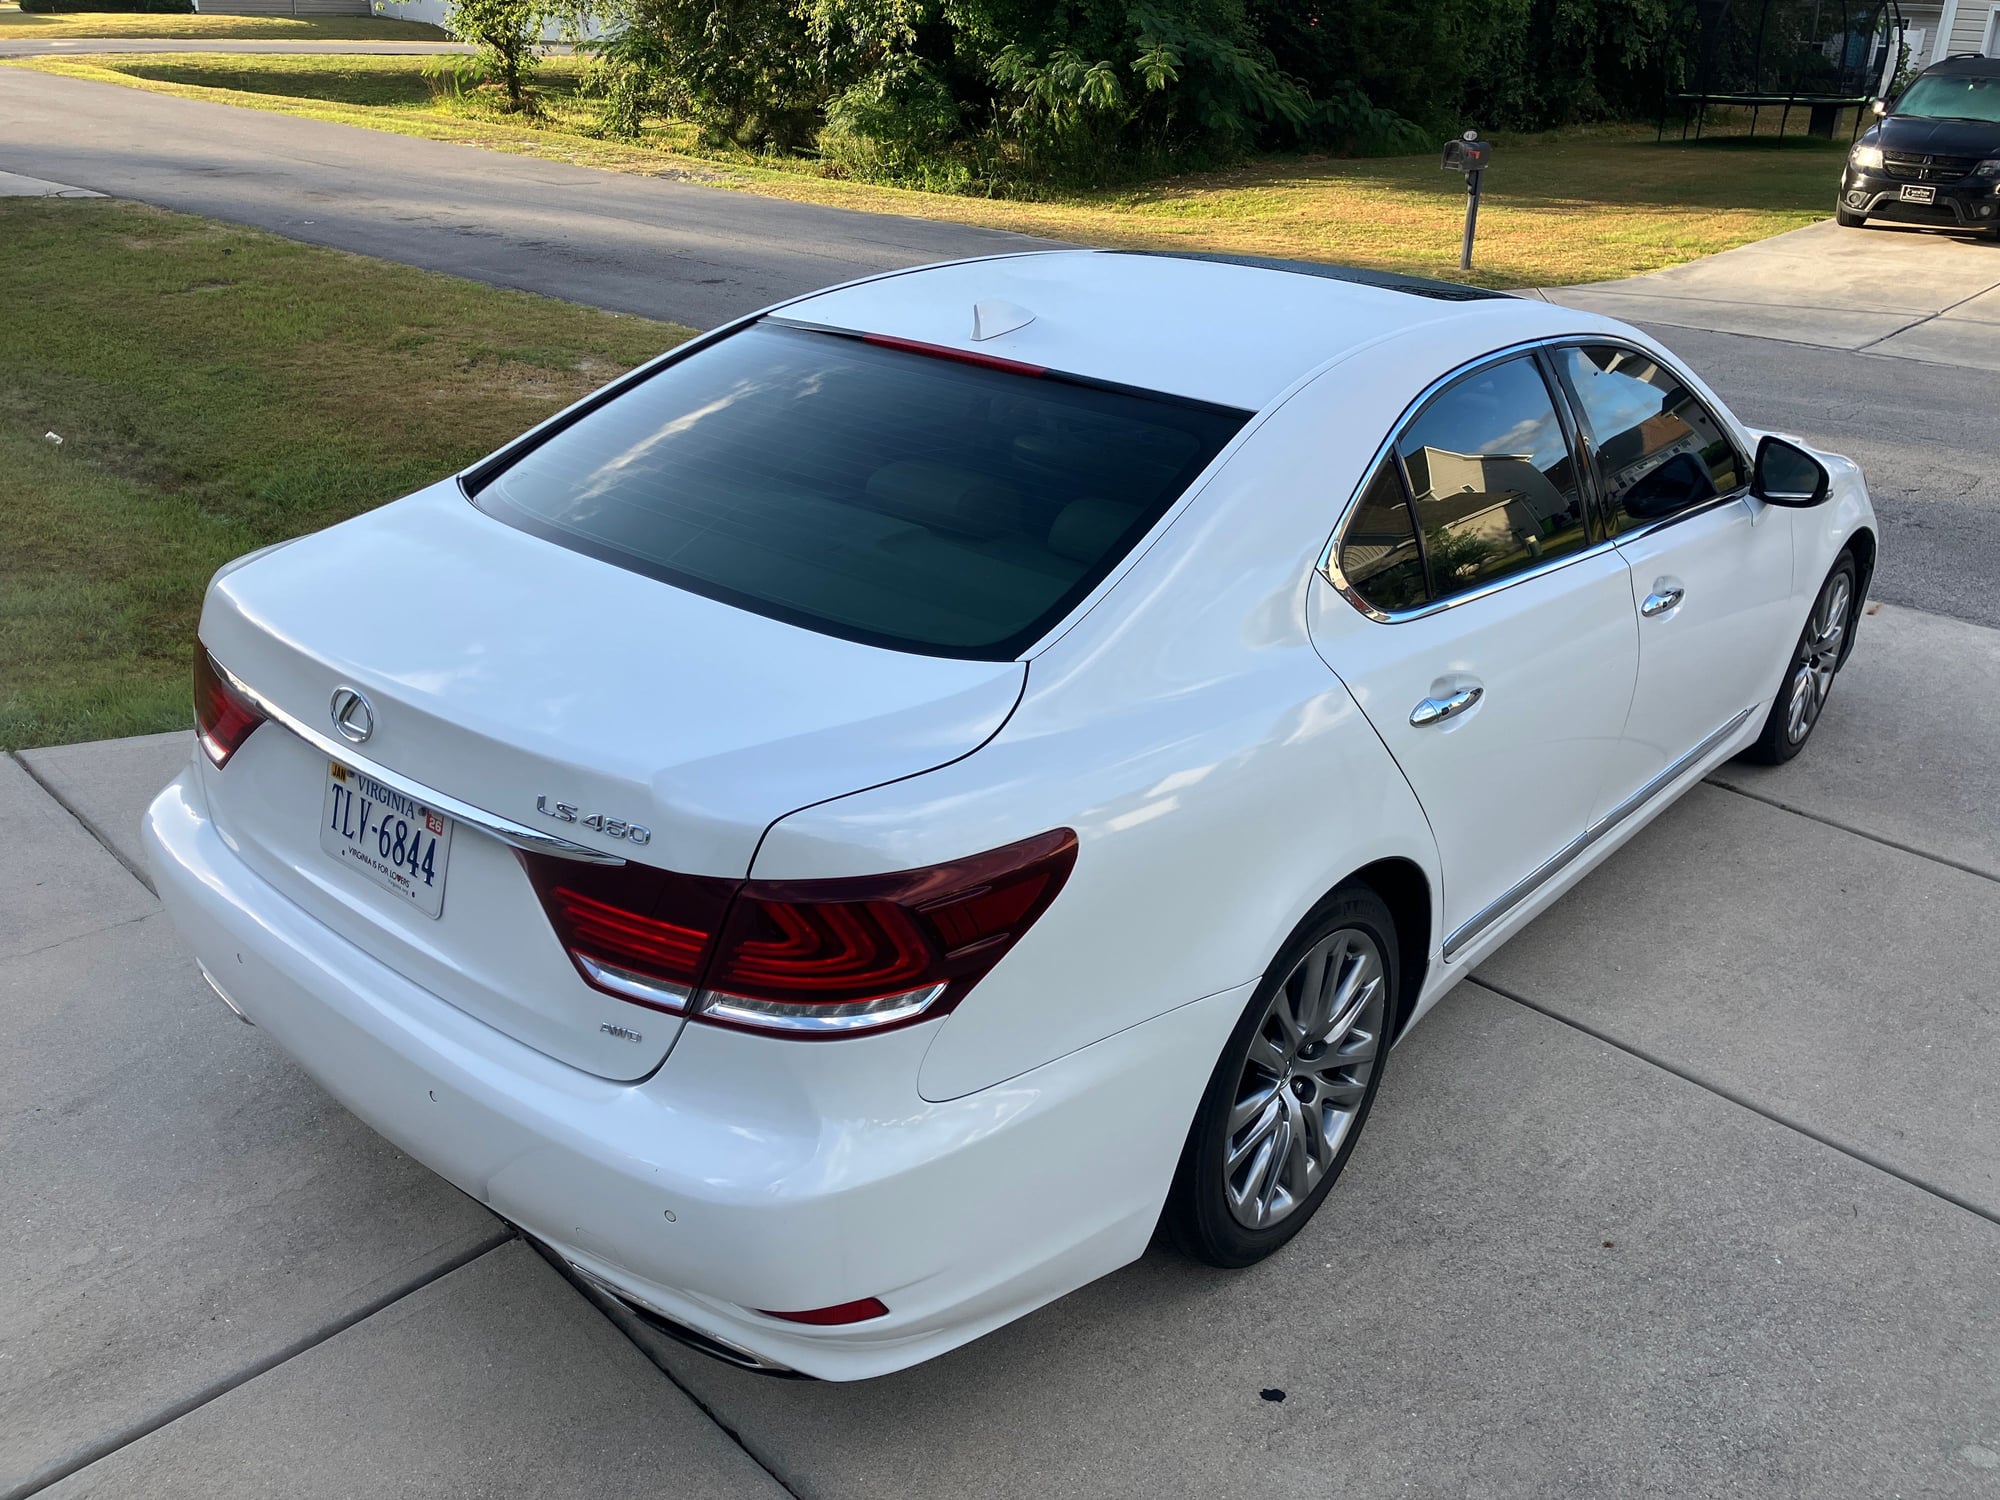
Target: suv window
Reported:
point(1659, 450)
point(1379, 555)
point(1494, 484)
point(865, 491)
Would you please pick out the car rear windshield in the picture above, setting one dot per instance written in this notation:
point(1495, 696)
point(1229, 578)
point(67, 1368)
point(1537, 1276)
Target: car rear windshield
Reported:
point(865, 490)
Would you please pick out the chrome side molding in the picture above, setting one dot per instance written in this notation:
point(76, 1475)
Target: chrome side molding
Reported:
point(1471, 928)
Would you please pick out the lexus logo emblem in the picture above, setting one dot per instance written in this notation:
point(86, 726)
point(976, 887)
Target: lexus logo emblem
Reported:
point(353, 716)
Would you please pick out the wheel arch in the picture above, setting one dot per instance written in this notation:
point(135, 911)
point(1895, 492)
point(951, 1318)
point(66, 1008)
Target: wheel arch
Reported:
point(1861, 542)
point(1406, 890)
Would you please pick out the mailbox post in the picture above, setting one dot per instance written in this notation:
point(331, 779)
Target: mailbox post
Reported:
point(1468, 154)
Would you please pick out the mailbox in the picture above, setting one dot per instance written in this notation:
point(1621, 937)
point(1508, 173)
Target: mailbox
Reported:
point(1467, 155)
point(1470, 155)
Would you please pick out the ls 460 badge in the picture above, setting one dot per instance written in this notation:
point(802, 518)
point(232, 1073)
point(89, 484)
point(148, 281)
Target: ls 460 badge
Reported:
point(617, 828)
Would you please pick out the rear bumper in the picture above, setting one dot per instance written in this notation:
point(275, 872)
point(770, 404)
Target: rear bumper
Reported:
point(748, 1173)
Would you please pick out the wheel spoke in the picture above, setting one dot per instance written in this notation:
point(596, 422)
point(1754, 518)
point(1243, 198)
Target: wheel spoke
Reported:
point(1299, 1173)
point(1250, 1108)
point(1312, 992)
point(1268, 1055)
point(1265, 1121)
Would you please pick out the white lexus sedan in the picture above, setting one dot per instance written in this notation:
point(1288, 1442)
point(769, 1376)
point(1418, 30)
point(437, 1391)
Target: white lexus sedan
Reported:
point(846, 831)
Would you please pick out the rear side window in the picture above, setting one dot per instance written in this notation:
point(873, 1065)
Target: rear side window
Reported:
point(1659, 450)
point(1492, 479)
point(864, 490)
point(1379, 555)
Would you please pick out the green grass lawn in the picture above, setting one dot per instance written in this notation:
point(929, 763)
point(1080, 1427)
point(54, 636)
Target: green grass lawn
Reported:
point(215, 389)
point(1584, 205)
point(17, 23)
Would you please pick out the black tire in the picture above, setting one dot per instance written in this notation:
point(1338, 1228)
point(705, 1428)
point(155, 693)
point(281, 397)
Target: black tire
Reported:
point(1848, 220)
point(1815, 657)
point(1199, 1216)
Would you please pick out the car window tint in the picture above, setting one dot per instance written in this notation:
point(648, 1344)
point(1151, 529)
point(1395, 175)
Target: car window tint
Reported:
point(1495, 486)
point(1659, 450)
point(1378, 551)
point(865, 491)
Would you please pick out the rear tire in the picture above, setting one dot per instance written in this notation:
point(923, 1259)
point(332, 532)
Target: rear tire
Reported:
point(1848, 220)
point(1814, 663)
point(1293, 1088)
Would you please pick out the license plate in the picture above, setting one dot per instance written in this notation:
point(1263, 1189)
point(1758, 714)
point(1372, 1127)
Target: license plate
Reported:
point(1920, 195)
point(383, 836)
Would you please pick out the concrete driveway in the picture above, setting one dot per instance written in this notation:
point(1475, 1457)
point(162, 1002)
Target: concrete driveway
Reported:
point(1694, 1190)
point(1883, 289)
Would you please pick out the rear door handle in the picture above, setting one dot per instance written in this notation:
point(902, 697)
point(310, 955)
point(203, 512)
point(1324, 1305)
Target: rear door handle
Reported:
point(1437, 710)
point(1659, 603)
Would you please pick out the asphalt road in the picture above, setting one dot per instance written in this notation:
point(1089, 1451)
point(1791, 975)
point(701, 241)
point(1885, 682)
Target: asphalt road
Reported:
point(650, 245)
point(680, 251)
point(1926, 436)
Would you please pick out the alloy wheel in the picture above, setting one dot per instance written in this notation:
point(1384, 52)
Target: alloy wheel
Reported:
point(1305, 1079)
point(1818, 657)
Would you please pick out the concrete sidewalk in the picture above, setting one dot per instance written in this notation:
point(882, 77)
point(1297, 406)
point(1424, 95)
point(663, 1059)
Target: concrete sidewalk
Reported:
point(1882, 289)
point(1694, 1190)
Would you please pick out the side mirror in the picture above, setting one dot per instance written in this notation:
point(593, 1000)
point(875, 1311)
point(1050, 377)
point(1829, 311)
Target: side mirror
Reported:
point(1786, 474)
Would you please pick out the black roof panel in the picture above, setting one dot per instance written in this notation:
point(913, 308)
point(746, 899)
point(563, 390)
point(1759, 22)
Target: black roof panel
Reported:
point(1968, 62)
point(1389, 281)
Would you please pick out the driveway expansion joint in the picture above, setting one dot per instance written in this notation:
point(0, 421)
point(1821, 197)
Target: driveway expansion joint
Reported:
point(1860, 833)
point(1742, 1101)
point(136, 870)
point(91, 1453)
point(598, 1302)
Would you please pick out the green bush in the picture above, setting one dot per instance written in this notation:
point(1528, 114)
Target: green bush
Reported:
point(121, 7)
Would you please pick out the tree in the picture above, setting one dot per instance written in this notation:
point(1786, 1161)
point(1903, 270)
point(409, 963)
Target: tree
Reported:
point(508, 34)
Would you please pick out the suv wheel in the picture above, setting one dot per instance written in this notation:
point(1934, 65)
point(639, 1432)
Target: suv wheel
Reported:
point(1848, 220)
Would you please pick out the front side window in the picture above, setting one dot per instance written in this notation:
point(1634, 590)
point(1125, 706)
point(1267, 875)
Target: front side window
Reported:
point(1659, 450)
point(866, 491)
point(1494, 485)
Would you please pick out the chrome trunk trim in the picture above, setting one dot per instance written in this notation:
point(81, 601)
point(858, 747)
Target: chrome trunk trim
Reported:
point(504, 829)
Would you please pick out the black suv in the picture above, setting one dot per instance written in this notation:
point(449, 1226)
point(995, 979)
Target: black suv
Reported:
point(1934, 156)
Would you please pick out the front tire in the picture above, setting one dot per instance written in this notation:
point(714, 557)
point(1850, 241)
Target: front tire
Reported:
point(1293, 1087)
point(1815, 661)
point(1848, 220)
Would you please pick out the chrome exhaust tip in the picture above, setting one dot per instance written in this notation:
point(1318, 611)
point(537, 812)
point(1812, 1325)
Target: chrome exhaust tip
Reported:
point(223, 995)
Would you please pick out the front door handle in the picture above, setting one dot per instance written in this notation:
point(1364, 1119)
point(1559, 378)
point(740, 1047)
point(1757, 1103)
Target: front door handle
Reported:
point(1437, 710)
point(1659, 603)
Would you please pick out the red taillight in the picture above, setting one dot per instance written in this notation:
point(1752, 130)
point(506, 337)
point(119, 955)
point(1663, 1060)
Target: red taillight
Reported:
point(802, 957)
point(635, 932)
point(834, 1317)
point(223, 717)
point(828, 957)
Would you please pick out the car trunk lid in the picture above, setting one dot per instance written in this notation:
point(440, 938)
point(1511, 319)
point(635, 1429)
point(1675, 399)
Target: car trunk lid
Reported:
point(524, 679)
